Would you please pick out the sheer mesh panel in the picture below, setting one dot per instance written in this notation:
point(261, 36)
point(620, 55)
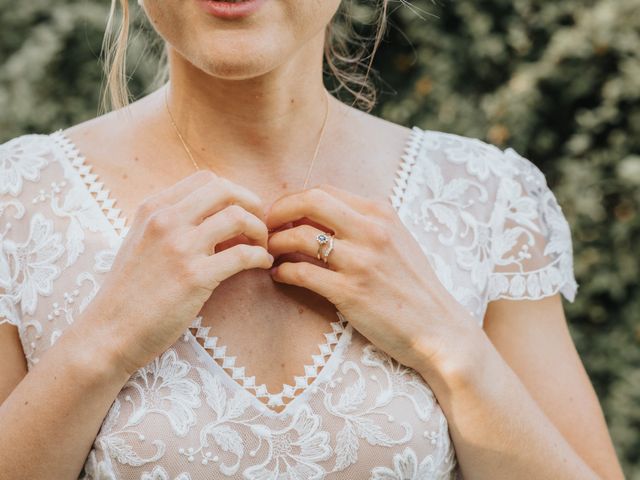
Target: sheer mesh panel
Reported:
point(484, 217)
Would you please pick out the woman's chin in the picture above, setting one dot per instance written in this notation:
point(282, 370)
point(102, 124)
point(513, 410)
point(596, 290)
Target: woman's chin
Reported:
point(236, 64)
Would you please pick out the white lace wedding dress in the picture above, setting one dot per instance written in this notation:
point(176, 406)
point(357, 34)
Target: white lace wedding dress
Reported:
point(484, 217)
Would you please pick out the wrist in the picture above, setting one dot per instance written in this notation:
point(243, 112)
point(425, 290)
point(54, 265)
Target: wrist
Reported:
point(89, 349)
point(460, 360)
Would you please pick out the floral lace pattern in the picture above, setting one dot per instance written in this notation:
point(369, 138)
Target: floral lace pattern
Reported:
point(484, 217)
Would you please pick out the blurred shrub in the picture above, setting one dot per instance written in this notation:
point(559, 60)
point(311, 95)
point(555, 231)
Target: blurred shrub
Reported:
point(560, 83)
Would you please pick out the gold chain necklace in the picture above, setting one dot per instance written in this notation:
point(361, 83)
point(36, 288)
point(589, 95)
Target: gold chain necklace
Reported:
point(186, 148)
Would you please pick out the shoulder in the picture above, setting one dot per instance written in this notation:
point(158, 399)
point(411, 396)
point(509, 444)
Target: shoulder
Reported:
point(23, 159)
point(28, 159)
point(479, 160)
point(496, 175)
point(27, 178)
point(491, 216)
point(458, 176)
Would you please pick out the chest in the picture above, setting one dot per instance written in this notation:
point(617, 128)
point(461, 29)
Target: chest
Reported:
point(196, 412)
point(272, 331)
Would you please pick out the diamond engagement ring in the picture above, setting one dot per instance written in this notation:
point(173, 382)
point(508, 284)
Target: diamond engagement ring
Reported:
point(324, 239)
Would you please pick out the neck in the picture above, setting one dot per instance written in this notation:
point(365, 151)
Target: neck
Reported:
point(270, 123)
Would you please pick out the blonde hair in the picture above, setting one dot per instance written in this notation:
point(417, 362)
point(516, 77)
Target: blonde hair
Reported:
point(342, 63)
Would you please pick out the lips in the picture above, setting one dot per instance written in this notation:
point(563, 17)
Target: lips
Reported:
point(231, 9)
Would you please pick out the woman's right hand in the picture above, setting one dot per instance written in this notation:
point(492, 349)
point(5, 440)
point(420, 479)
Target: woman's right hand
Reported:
point(167, 265)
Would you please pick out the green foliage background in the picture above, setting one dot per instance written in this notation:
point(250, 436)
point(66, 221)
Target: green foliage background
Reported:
point(558, 81)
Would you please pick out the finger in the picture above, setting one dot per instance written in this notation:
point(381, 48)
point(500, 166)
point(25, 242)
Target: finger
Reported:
point(318, 279)
point(227, 223)
point(216, 195)
point(360, 204)
point(174, 193)
point(302, 239)
point(319, 206)
point(213, 269)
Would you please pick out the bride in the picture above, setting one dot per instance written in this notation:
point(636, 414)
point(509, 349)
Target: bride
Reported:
point(240, 276)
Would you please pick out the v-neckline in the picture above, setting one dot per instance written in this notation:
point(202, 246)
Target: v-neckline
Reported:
point(119, 227)
point(119, 222)
point(253, 391)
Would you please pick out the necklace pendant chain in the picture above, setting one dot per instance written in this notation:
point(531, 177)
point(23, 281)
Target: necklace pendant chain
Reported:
point(197, 167)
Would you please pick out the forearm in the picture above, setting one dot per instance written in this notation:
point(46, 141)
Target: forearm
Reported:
point(498, 430)
point(50, 420)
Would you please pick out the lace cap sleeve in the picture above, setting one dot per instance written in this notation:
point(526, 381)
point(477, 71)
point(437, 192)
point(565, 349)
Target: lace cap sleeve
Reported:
point(25, 244)
point(531, 238)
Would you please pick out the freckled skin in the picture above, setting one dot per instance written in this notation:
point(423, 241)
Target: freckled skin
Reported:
point(271, 62)
point(247, 48)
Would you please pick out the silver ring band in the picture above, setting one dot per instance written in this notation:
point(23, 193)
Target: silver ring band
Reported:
point(324, 239)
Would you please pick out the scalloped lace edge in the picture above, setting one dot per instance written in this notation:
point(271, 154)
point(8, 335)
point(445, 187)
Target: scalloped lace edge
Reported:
point(407, 161)
point(218, 353)
point(536, 284)
point(100, 193)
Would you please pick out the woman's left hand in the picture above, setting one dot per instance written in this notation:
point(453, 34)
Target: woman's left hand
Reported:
point(377, 275)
